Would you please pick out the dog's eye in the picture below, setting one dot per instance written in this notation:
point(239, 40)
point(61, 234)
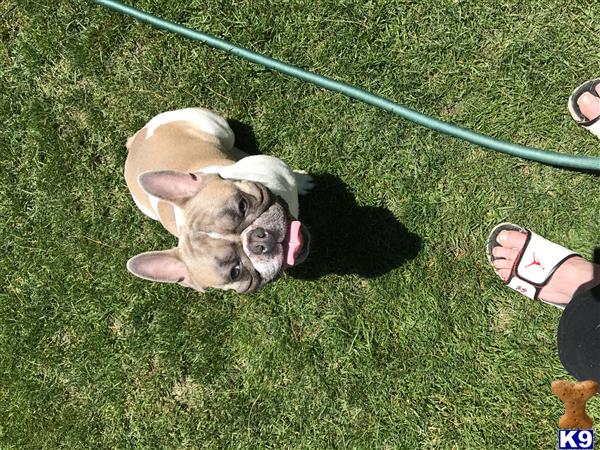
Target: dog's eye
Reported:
point(243, 206)
point(236, 271)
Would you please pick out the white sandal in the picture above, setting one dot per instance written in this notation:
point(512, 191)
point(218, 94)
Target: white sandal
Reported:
point(593, 126)
point(535, 264)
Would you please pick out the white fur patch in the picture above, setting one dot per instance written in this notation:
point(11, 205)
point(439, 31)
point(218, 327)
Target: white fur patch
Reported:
point(154, 203)
point(145, 210)
point(179, 217)
point(267, 170)
point(214, 235)
point(203, 119)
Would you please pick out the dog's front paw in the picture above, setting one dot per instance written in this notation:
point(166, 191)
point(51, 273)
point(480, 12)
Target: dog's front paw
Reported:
point(304, 182)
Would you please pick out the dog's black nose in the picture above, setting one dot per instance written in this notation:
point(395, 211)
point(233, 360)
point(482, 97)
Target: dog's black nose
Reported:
point(260, 241)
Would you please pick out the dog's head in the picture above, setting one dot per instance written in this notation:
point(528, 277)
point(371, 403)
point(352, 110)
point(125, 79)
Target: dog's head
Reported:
point(238, 230)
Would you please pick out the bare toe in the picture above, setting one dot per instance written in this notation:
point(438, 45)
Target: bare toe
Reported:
point(511, 239)
point(589, 105)
point(505, 254)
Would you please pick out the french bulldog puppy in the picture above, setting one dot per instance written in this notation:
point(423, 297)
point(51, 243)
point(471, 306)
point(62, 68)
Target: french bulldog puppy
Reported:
point(236, 216)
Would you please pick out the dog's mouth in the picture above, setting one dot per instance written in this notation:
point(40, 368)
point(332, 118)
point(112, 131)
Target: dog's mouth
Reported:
point(297, 244)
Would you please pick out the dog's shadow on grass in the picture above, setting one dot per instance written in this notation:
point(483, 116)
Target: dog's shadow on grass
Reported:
point(345, 238)
point(350, 239)
point(244, 137)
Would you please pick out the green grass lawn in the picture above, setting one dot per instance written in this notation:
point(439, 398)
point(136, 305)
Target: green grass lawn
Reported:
point(395, 333)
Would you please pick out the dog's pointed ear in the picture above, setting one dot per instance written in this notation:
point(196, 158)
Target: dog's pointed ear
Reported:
point(171, 185)
point(163, 266)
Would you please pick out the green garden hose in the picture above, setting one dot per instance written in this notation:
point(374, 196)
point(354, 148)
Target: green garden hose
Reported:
point(542, 156)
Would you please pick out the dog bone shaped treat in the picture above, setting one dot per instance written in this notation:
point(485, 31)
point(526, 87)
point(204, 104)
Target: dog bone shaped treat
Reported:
point(575, 396)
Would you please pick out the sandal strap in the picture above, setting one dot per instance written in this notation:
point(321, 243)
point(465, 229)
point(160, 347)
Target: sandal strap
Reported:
point(523, 287)
point(539, 259)
point(594, 128)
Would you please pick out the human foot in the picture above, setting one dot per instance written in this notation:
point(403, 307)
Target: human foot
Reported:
point(584, 106)
point(541, 271)
point(589, 104)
